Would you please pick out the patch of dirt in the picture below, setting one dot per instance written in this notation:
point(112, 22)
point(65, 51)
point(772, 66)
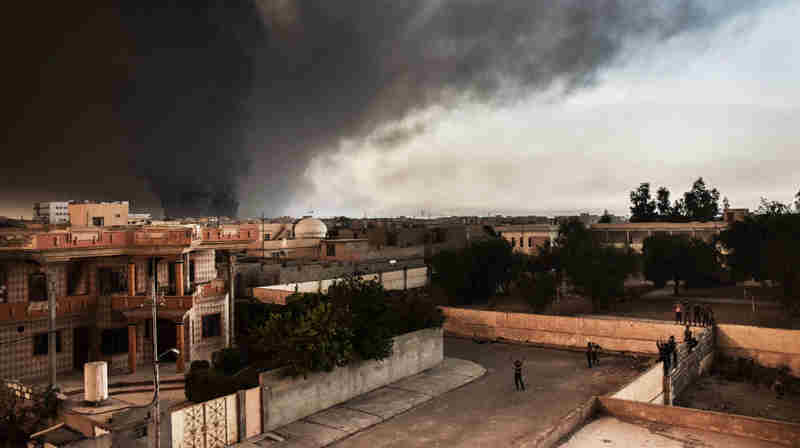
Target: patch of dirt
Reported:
point(715, 393)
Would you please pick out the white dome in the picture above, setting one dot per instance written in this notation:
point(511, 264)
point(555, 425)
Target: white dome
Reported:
point(310, 228)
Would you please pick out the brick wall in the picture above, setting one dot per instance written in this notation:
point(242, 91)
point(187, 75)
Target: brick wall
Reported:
point(691, 365)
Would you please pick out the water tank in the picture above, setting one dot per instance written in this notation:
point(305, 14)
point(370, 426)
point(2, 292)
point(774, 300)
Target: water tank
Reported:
point(95, 381)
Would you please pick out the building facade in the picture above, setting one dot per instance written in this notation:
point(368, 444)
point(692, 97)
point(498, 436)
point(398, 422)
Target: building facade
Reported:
point(102, 282)
point(98, 214)
point(51, 212)
point(527, 238)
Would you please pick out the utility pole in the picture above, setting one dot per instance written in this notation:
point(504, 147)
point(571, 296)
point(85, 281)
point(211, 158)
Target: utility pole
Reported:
point(51, 335)
point(262, 237)
point(156, 405)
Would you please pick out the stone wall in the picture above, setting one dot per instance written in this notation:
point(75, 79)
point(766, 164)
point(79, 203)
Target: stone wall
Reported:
point(691, 365)
point(287, 399)
point(769, 347)
point(619, 335)
point(783, 433)
point(647, 387)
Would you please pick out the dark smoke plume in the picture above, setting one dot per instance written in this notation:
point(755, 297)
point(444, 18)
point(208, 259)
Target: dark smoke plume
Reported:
point(257, 88)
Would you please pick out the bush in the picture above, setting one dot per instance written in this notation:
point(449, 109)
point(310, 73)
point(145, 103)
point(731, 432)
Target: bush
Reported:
point(409, 313)
point(228, 360)
point(203, 383)
point(539, 289)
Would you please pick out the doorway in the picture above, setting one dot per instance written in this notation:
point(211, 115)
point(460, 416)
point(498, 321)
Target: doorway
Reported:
point(80, 347)
point(167, 338)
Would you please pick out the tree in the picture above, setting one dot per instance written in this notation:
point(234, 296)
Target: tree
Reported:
point(643, 207)
point(726, 204)
point(606, 218)
point(664, 256)
point(678, 211)
point(663, 204)
point(797, 202)
point(597, 271)
point(477, 272)
point(701, 203)
point(773, 208)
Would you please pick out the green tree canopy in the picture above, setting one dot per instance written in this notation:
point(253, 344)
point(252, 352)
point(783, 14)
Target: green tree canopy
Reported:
point(702, 204)
point(643, 207)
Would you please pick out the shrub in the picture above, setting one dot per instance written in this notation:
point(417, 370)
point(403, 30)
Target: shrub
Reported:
point(203, 383)
point(409, 313)
point(228, 360)
point(539, 289)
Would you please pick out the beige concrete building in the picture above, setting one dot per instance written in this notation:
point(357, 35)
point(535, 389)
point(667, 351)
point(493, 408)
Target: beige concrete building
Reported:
point(526, 238)
point(98, 214)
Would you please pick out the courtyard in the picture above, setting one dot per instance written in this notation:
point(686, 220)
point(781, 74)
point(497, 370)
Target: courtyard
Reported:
point(489, 412)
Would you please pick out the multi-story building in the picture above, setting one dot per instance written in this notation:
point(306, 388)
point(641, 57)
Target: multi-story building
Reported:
point(98, 214)
point(102, 281)
point(51, 212)
point(527, 238)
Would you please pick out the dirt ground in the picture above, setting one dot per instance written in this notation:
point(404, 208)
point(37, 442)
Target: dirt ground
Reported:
point(715, 393)
point(489, 412)
point(773, 316)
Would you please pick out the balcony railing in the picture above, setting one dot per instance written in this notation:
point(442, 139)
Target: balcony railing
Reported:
point(134, 302)
point(33, 310)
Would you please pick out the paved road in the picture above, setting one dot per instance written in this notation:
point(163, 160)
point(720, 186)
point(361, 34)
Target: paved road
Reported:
point(489, 412)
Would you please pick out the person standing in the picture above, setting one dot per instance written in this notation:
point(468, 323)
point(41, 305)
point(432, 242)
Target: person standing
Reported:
point(687, 334)
point(518, 383)
point(697, 313)
point(589, 355)
point(678, 317)
point(673, 350)
point(687, 312)
point(663, 352)
point(595, 354)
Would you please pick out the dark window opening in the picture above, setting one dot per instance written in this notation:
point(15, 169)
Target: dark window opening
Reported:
point(114, 341)
point(148, 328)
point(111, 281)
point(3, 285)
point(171, 278)
point(331, 250)
point(212, 325)
point(97, 221)
point(530, 242)
point(37, 288)
point(73, 278)
point(40, 343)
point(267, 237)
point(191, 271)
point(513, 242)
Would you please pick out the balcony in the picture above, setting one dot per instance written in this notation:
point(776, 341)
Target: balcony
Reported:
point(178, 303)
point(35, 310)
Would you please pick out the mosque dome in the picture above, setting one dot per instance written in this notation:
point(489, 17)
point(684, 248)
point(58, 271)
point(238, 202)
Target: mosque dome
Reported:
point(310, 228)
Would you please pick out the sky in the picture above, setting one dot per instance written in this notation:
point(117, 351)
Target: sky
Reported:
point(450, 106)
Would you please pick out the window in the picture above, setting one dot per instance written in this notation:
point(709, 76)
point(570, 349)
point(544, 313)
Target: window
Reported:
point(117, 215)
point(267, 236)
point(522, 241)
point(212, 325)
point(37, 288)
point(3, 285)
point(148, 328)
point(97, 221)
point(530, 242)
point(331, 250)
point(40, 343)
point(114, 341)
point(513, 242)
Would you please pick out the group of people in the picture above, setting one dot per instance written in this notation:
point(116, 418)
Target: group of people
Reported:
point(689, 339)
point(693, 314)
point(592, 351)
point(668, 353)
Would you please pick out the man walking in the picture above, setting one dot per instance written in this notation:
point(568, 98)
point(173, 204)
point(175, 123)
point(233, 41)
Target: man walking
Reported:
point(518, 375)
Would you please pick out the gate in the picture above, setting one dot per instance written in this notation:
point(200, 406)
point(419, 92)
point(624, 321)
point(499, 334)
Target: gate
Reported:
point(211, 424)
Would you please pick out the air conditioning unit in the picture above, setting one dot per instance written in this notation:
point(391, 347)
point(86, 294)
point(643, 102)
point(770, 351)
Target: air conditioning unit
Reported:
point(95, 381)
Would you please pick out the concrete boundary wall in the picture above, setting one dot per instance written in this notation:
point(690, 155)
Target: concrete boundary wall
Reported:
point(620, 335)
point(783, 433)
point(769, 347)
point(647, 387)
point(569, 423)
point(286, 399)
point(391, 280)
point(690, 365)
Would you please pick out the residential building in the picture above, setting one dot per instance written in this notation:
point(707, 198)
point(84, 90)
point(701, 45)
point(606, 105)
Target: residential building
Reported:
point(527, 238)
point(51, 212)
point(102, 280)
point(98, 214)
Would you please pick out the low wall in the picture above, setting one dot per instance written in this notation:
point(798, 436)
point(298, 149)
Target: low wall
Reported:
point(621, 335)
point(783, 433)
point(691, 365)
point(286, 399)
point(769, 347)
point(646, 388)
point(391, 280)
point(574, 419)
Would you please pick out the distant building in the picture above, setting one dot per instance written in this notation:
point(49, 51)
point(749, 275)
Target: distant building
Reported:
point(98, 214)
point(51, 212)
point(136, 219)
point(527, 238)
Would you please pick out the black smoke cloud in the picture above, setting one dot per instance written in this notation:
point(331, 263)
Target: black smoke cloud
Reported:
point(229, 91)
